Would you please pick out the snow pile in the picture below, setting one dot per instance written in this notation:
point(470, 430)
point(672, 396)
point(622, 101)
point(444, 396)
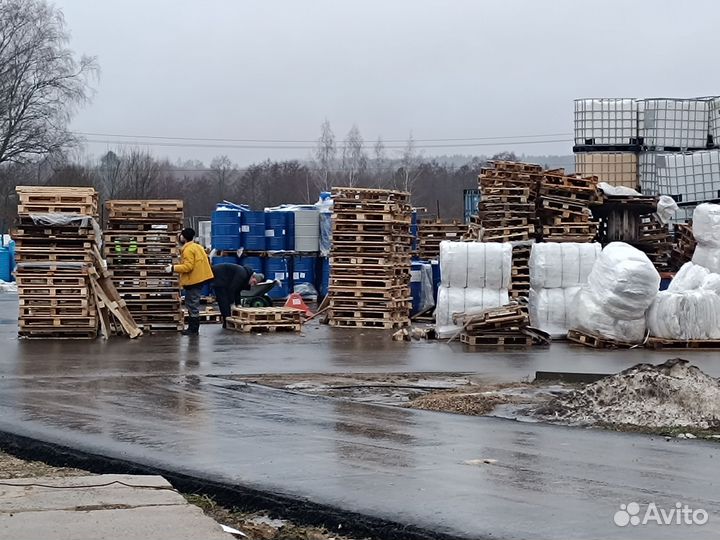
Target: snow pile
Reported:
point(8, 286)
point(557, 270)
point(672, 394)
point(620, 288)
point(473, 275)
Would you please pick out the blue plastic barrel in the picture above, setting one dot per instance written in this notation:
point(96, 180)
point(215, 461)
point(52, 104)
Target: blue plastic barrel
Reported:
point(5, 264)
point(278, 268)
point(232, 259)
point(416, 285)
point(256, 263)
point(324, 276)
point(252, 231)
point(225, 229)
point(304, 270)
point(436, 277)
point(276, 231)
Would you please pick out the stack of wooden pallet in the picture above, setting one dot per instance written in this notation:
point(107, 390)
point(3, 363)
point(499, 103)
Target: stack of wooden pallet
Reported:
point(684, 247)
point(498, 327)
point(433, 231)
point(506, 212)
point(265, 319)
point(520, 271)
point(55, 237)
point(370, 259)
point(564, 207)
point(140, 241)
point(655, 240)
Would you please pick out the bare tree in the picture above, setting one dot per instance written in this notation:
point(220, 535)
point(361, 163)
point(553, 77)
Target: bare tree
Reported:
point(223, 172)
point(110, 175)
point(141, 172)
point(409, 170)
point(380, 162)
point(41, 81)
point(354, 158)
point(325, 154)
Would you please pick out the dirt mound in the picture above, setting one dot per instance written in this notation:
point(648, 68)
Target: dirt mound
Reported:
point(671, 394)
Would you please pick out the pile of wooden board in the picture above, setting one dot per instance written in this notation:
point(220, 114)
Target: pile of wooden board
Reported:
point(55, 237)
point(520, 271)
point(140, 241)
point(564, 207)
point(501, 327)
point(265, 319)
point(506, 212)
point(370, 259)
point(433, 231)
point(684, 247)
point(656, 241)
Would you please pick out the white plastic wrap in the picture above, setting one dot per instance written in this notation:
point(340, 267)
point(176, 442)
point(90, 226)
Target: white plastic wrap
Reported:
point(78, 220)
point(485, 265)
point(589, 315)
point(711, 283)
point(451, 300)
point(666, 208)
point(550, 309)
point(690, 276)
point(617, 191)
point(707, 257)
point(706, 225)
point(554, 265)
point(683, 315)
point(623, 281)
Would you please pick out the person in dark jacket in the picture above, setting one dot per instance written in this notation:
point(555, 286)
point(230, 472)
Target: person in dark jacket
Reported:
point(230, 280)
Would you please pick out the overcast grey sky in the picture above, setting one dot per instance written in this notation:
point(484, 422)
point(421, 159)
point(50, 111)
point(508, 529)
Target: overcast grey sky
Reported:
point(274, 69)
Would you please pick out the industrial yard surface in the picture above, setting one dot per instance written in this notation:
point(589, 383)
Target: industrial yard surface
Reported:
point(164, 405)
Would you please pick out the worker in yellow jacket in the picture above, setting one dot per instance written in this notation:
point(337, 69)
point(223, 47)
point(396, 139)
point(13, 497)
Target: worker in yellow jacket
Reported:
point(195, 271)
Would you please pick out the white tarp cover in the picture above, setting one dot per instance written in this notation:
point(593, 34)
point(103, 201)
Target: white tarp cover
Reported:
point(561, 265)
point(483, 265)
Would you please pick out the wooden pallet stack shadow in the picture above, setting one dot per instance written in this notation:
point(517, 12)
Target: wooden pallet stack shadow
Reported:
point(370, 259)
point(506, 211)
point(564, 207)
point(684, 246)
point(140, 241)
point(265, 319)
point(433, 231)
point(54, 237)
point(503, 327)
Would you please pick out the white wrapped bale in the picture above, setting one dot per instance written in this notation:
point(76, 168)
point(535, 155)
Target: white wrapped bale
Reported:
point(711, 283)
point(550, 309)
point(485, 298)
point(693, 314)
point(706, 225)
point(489, 265)
point(451, 301)
point(707, 257)
point(561, 265)
point(623, 281)
point(589, 315)
point(690, 276)
point(453, 263)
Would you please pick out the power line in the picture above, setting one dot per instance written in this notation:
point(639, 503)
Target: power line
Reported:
point(314, 141)
point(289, 147)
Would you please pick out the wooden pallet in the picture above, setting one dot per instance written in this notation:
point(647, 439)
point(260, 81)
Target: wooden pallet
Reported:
point(697, 344)
point(49, 322)
point(340, 304)
point(339, 259)
point(54, 291)
point(145, 227)
point(57, 333)
point(368, 227)
point(595, 341)
point(496, 340)
point(369, 323)
point(267, 314)
point(373, 217)
point(367, 293)
point(369, 194)
point(56, 312)
point(234, 323)
point(206, 317)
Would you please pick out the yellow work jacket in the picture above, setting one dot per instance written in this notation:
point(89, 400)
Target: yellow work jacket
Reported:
point(194, 267)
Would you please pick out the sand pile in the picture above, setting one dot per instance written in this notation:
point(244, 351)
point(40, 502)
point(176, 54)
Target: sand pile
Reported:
point(672, 394)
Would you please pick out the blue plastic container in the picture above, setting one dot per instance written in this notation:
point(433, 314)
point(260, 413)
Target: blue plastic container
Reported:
point(416, 285)
point(324, 280)
point(279, 268)
point(6, 263)
point(304, 270)
point(256, 263)
point(252, 231)
point(276, 231)
point(232, 259)
point(436, 278)
point(225, 229)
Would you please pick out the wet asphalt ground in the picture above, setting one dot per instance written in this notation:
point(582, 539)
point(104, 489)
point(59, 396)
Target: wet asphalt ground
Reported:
point(163, 402)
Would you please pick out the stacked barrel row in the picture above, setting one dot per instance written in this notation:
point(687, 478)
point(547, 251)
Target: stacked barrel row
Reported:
point(370, 259)
point(56, 239)
point(140, 242)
